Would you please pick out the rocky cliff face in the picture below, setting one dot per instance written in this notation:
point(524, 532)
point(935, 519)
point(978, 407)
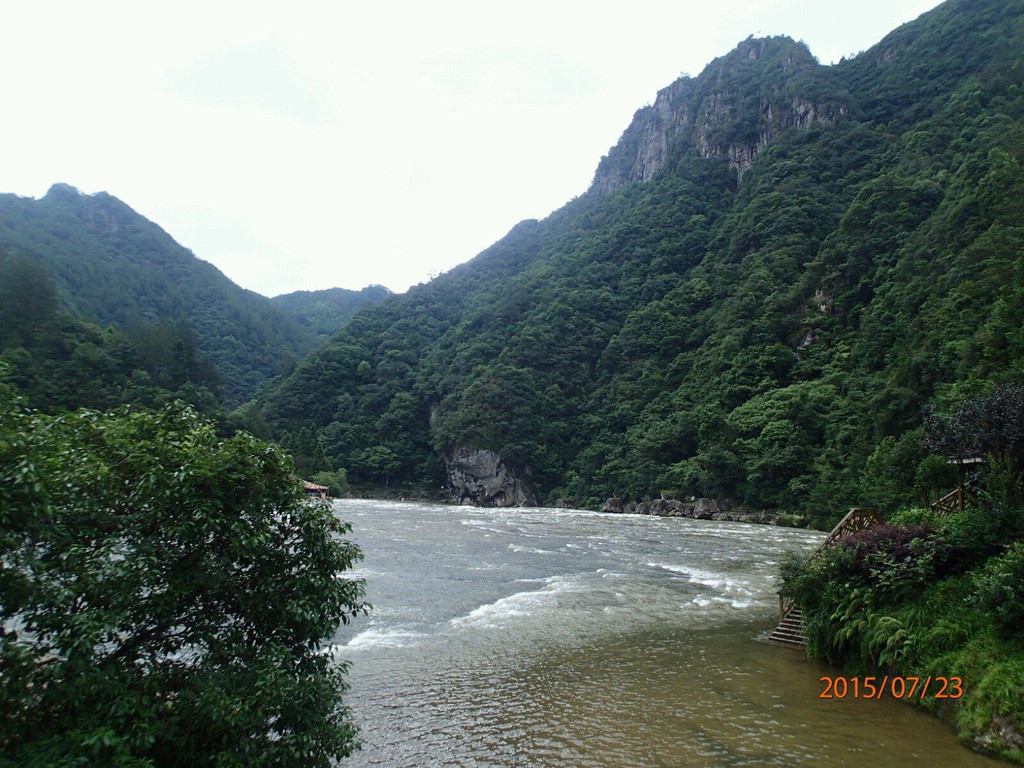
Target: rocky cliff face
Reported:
point(482, 478)
point(643, 150)
point(736, 108)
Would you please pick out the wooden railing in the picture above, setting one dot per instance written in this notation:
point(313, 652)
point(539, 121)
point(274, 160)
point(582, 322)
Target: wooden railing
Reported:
point(857, 519)
point(785, 606)
point(956, 500)
point(952, 502)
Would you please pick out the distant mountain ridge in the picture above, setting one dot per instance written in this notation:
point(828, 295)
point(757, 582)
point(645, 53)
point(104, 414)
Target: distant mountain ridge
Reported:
point(114, 266)
point(776, 269)
point(325, 312)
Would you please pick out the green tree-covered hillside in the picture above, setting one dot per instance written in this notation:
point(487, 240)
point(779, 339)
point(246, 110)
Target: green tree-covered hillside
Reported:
point(776, 269)
point(325, 312)
point(61, 362)
point(114, 267)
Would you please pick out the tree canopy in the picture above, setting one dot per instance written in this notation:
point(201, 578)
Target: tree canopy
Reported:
point(164, 596)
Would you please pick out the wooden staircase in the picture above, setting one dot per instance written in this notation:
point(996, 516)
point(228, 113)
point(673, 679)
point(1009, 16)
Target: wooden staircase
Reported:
point(790, 631)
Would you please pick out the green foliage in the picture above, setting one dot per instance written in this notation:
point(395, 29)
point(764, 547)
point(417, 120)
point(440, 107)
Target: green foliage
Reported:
point(164, 595)
point(380, 462)
point(62, 362)
point(28, 300)
point(771, 337)
point(801, 579)
point(1001, 589)
point(1003, 488)
point(1000, 692)
point(895, 600)
point(932, 477)
point(990, 426)
point(326, 312)
point(971, 536)
point(110, 265)
point(337, 481)
point(892, 472)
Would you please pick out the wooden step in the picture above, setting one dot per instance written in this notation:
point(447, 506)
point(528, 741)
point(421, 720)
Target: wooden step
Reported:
point(789, 632)
point(796, 645)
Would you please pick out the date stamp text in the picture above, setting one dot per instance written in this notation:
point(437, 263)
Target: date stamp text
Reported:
point(895, 686)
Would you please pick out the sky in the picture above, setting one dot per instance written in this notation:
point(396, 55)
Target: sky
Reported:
point(307, 145)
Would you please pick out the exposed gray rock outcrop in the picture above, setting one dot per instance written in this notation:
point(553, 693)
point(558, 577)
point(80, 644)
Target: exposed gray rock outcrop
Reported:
point(740, 104)
point(1002, 734)
point(614, 505)
point(705, 509)
point(482, 478)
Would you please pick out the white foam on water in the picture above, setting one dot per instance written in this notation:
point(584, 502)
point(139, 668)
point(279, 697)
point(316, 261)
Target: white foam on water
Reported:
point(703, 601)
point(361, 572)
point(520, 605)
point(732, 602)
point(718, 581)
point(488, 526)
point(388, 638)
point(712, 579)
point(530, 550)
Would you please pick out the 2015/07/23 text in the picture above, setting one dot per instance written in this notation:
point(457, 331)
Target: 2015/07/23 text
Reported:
point(897, 686)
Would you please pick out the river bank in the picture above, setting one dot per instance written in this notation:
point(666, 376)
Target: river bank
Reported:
point(930, 597)
point(515, 637)
point(704, 509)
point(721, 510)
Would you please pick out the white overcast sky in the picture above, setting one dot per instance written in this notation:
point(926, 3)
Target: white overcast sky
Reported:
point(309, 145)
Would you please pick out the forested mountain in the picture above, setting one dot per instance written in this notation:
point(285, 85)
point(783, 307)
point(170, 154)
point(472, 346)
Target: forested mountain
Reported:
point(60, 362)
point(114, 267)
point(326, 312)
point(776, 269)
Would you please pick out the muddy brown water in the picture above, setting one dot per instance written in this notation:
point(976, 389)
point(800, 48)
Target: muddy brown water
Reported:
point(555, 638)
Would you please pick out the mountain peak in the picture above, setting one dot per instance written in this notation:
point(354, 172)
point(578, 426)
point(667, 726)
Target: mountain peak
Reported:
point(733, 109)
point(62, 191)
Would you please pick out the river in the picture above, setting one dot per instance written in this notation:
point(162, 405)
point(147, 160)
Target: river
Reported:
point(555, 638)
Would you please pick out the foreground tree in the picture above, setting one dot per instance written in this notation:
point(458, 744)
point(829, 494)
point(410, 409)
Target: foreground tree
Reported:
point(164, 597)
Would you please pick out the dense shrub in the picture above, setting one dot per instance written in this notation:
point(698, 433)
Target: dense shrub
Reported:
point(891, 559)
point(938, 595)
point(1001, 589)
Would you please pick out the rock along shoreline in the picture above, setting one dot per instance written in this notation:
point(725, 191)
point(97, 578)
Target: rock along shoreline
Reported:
point(702, 509)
